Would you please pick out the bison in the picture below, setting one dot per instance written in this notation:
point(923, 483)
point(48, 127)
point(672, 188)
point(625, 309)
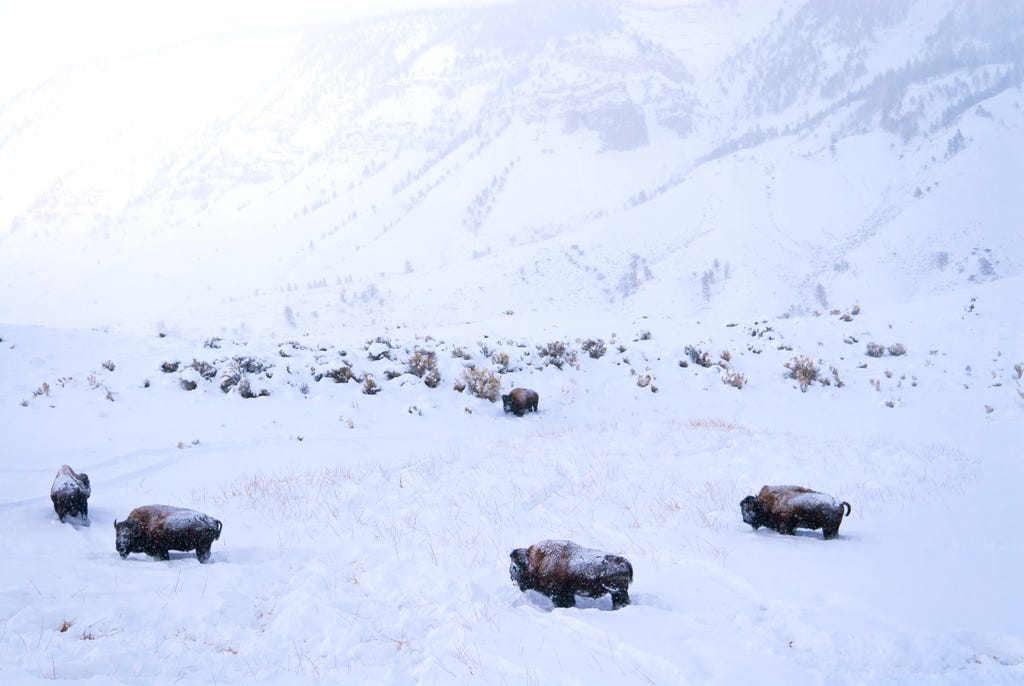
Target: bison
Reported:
point(70, 494)
point(156, 529)
point(786, 508)
point(520, 401)
point(562, 569)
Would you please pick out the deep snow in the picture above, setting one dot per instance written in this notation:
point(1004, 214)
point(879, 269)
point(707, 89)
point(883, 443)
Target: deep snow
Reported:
point(366, 538)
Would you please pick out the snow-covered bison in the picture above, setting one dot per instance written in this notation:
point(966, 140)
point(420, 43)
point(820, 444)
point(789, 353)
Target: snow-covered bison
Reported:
point(562, 569)
point(156, 529)
point(70, 494)
point(786, 508)
point(520, 401)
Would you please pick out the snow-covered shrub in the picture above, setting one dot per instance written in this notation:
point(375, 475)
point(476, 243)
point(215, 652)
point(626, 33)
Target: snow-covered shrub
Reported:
point(342, 374)
point(502, 360)
point(875, 349)
point(481, 382)
point(236, 373)
point(190, 379)
point(246, 390)
point(108, 365)
point(734, 379)
point(698, 356)
point(556, 353)
point(897, 349)
point(594, 347)
point(803, 370)
point(835, 377)
point(169, 367)
point(379, 349)
point(205, 369)
point(370, 386)
point(423, 364)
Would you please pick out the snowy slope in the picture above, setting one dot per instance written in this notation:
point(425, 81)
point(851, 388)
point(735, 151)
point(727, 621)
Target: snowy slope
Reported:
point(361, 166)
point(366, 536)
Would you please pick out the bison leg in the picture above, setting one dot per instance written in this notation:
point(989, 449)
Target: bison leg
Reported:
point(620, 597)
point(203, 554)
point(163, 555)
point(564, 599)
point(830, 533)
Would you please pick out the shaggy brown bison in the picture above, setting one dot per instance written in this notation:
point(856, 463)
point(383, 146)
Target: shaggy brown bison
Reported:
point(156, 529)
point(786, 508)
point(520, 401)
point(70, 494)
point(562, 569)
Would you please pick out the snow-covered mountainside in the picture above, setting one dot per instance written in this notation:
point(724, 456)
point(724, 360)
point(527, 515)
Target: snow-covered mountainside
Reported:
point(532, 157)
point(281, 276)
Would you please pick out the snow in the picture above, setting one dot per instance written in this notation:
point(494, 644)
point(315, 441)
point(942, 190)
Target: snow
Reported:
point(809, 499)
point(311, 217)
point(66, 480)
point(378, 550)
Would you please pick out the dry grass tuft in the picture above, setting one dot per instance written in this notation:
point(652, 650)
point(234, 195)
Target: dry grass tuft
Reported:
point(482, 383)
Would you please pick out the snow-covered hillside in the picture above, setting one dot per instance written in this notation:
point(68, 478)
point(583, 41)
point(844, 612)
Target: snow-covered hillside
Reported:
point(436, 162)
point(260, 273)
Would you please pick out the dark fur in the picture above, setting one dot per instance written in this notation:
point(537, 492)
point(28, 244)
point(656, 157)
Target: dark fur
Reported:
point(147, 530)
point(774, 507)
point(547, 568)
point(520, 401)
point(70, 494)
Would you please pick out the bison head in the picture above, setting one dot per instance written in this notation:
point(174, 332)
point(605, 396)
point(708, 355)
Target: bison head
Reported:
point(753, 511)
point(127, 533)
point(519, 569)
point(508, 403)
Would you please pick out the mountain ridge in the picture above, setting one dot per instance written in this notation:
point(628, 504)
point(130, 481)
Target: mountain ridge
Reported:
point(497, 145)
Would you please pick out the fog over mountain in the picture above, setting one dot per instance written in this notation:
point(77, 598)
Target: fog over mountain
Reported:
point(743, 159)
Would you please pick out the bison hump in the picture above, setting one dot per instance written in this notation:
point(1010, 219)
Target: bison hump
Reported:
point(68, 482)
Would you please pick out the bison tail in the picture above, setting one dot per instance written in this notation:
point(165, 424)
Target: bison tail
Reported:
point(219, 526)
point(847, 506)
